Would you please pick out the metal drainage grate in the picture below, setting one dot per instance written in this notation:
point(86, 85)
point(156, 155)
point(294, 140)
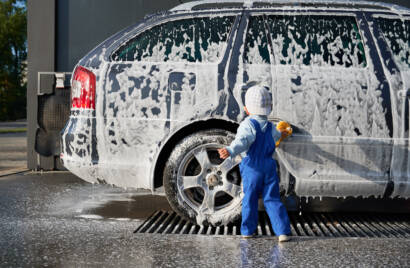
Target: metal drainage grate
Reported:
point(305, 224)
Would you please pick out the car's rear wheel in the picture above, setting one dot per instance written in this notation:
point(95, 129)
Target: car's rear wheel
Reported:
point(199, 185)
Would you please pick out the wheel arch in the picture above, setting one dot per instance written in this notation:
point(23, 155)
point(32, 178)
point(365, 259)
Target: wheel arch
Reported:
point(176, 137)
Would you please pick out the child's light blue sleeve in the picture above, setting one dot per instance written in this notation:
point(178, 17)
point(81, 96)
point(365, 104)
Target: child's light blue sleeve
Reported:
point(244, 138)
point(275, 133)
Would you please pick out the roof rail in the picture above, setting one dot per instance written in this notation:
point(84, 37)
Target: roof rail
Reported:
point(215, 4)
point(208, 4)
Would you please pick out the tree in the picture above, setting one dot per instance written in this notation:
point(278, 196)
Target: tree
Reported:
point(13, 55)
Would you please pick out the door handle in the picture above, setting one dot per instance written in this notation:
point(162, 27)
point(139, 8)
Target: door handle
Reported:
point(404, 93)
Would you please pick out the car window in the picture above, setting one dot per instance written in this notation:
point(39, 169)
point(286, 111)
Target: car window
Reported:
point(190, 40)
point(256, 44)
point(316, 40)
point(397, 36)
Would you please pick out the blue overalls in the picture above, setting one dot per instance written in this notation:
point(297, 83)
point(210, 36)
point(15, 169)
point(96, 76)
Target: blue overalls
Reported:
point(258, 171)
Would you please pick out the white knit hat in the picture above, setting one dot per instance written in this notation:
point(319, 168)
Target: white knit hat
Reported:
point(258, 100)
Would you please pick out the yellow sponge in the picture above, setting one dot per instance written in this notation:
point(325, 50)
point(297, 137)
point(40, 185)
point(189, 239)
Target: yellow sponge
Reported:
point(285, 127)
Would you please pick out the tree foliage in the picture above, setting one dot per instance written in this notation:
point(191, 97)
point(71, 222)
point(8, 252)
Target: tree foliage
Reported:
point(13, 55)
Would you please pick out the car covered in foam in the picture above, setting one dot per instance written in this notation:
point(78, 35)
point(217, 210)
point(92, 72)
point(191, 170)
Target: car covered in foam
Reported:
point(151, 105)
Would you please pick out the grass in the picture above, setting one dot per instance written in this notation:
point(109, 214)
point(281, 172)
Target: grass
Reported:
point(13, 130)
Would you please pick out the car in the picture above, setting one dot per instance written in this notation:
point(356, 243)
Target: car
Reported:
point(151, 105)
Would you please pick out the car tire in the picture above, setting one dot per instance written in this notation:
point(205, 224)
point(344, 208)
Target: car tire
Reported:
point(200, 186)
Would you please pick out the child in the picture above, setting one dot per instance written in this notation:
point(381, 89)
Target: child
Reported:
point(257, 137)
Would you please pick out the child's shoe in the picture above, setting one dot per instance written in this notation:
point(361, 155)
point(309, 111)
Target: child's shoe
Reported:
point(284, 238)
point(248, 236)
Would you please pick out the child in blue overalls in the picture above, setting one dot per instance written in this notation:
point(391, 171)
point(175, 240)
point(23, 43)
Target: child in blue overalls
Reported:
point(257, 137)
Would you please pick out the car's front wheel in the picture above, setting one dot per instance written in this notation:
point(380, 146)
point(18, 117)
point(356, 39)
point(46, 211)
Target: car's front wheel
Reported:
point(199, 185)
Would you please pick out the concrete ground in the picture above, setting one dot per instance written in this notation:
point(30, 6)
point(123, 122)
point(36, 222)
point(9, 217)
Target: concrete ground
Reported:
point(55, 219)
point(13, 147)
point(20, 124)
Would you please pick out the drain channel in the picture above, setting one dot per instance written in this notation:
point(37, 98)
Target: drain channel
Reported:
point(306, 224)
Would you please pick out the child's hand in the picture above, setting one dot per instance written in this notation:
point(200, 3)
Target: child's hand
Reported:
point(223, 153)
point(285, 133)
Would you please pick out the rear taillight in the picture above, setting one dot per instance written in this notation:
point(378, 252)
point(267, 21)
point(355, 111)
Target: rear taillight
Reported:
point(83, 89)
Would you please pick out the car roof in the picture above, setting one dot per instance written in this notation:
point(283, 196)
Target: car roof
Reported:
point(322, 4)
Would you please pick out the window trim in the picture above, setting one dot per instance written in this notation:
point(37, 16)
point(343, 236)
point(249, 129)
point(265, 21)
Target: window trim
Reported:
point(149, 26)
point(390, 16)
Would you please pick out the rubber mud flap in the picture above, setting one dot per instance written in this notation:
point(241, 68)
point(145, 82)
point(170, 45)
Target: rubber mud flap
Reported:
point(47, 143)
point(53, 113)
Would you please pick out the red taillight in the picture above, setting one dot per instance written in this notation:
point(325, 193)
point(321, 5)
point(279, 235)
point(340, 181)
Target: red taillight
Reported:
point(83, 89)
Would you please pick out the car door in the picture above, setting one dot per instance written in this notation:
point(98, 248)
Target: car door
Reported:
point(326, 86)
point(393, 39)
point(159, 79)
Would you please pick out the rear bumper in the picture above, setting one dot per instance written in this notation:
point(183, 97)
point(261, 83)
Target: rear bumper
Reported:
point(80, 155)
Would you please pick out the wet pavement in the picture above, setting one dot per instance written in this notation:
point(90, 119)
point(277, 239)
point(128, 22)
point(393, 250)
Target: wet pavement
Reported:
point(63, 195)
point(55, 219)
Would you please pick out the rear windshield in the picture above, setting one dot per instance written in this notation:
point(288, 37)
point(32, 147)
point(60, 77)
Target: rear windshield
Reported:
point(316, 40)
point(397, 35)
point(189, 40)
